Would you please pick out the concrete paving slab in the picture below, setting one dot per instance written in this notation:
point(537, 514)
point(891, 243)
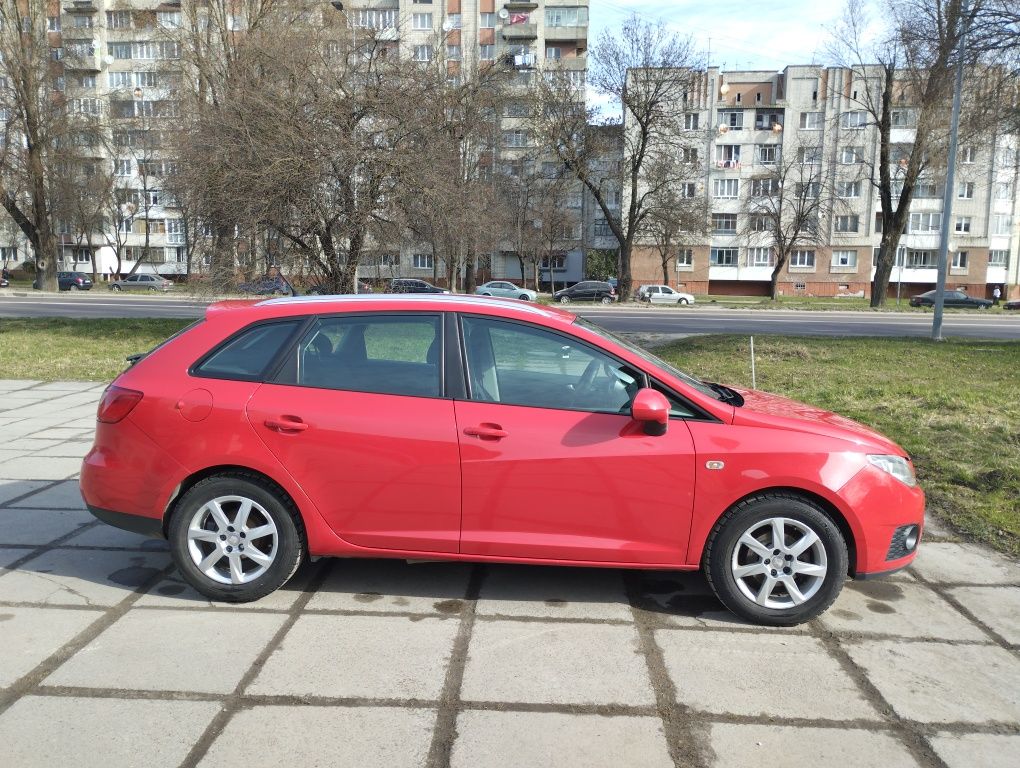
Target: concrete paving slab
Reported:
point(64, 495)
point(107, 536)
point(970, 750)
point(8, 556)
point(65, 386)
point(12, 385)
point(39, 526)
point(539, 739)
point(943, 683)
point(45, 731)
point(360, 656)
point(556, 664)
point(910, 610)
point(69, 449)
point(64, 433)
point(567, 593)
point(964, 564)
point(173, 592)
point(728, 673)
point(171, 651)
point(12, 489)
point(734, 745)
point(323, 737)
point(30, 444)
point(393, 585)
point(31, 635)
point(40, 468)
point(80, 577)
point(997, 607)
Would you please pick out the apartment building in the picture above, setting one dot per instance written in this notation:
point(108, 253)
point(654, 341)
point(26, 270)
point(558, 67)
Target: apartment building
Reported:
point(743, 124)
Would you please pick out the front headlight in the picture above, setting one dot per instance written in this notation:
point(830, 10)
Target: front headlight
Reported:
point(897, 466)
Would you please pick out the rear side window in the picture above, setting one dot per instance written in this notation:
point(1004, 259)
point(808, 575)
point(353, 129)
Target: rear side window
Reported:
point(384, 354)
point(247, 355)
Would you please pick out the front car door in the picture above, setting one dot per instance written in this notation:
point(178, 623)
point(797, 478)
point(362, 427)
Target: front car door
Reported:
point(553, 466)
point(358, 417)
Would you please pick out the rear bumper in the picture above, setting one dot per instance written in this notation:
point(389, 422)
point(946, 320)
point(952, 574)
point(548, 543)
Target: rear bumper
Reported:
point(146, 526)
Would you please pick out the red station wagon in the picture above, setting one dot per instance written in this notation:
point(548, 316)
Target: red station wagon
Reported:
point(463, 428)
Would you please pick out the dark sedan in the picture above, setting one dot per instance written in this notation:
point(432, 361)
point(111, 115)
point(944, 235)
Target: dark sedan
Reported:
point(410, 285)
point(952, 299)
point(73, 281)
point(587, 290)
point(1014, 304)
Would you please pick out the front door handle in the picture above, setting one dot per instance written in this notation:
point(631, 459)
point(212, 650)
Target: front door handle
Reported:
point(286, 424)
point(486, 432)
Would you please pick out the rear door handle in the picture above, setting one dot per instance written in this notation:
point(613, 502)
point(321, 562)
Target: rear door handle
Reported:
point(286, 424)
point(486, 432)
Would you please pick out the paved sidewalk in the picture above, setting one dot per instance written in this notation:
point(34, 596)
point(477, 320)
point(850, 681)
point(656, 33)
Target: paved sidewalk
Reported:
point(109, 660)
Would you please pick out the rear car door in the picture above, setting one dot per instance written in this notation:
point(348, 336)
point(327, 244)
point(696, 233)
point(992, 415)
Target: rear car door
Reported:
point(358, 418)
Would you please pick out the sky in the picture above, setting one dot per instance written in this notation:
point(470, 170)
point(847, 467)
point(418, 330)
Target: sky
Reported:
point(746, 34)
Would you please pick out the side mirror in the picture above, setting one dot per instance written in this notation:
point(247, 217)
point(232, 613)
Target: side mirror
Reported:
point(651, 408)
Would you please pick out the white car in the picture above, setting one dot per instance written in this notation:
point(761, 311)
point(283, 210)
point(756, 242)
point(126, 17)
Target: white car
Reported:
point(663, 294)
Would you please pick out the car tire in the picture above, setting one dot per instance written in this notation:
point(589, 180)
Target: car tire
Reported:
point(751, 580)
point(564, 299)
point(683, 302)
point(486, 294)
point(153, 290)
point(607, 299)
point(73, 287)
point(114, 287)
point(524, 297)
point(207, 521)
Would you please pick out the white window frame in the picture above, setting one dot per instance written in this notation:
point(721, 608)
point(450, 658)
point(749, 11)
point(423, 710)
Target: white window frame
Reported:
point(811, 121)
point(962, 224)
point(844, 258)
point(965, 190)
point(802, 259)
point(423, 260)
point(726, 189)
point(848, 223)
point(422, 22)
point(732, 257)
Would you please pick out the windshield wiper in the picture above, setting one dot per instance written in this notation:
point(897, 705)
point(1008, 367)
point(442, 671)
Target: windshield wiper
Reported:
point(727, 395)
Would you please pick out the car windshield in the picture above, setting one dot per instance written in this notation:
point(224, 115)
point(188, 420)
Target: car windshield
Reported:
point(648, 357)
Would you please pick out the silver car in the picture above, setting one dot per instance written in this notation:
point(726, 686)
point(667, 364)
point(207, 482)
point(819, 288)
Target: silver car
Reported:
point(506, 290)
point(663, 294)
point(142, 283)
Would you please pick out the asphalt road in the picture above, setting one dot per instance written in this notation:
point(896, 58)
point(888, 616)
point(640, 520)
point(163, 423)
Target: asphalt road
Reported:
point(698, 319)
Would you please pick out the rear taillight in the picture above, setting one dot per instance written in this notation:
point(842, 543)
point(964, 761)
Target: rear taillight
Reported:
point(117, 403)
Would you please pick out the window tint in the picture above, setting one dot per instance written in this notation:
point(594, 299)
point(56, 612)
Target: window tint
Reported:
point(518, 364)
point(393, 355)
point(247, 355)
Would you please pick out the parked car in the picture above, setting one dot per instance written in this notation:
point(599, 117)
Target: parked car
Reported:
point(4, 282)
point(321, 290)
point(269, 286)
point(73, 281)
point(142, 283)
point(663, 294)
point(951, 299)
point(463, 428)
point(1014, 304)
point(410, 285)
point(587, 290)
point(507, 290)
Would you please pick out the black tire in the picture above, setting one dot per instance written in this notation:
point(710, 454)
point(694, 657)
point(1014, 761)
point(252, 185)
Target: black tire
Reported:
point(718, 561)
point(73, 287)
point(564, 299)
point(682, 302)
point(290, 543)
point(524, 297)
point(115, 287)
point(607, 299)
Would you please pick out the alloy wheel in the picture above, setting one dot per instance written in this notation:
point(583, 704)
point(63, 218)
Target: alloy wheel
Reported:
point(779, 563)
point(232, 539)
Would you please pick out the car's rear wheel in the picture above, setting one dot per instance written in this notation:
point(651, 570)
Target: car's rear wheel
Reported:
point(236, 537)
point(776, 559)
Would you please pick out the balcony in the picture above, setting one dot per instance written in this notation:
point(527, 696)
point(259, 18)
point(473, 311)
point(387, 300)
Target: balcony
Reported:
point(519, 6)
point(563, 34)
point(728, 164)
point(520, 32)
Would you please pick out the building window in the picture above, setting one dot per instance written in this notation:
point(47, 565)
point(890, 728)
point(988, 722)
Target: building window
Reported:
point(802, 259)
point(962, 224)
point(377, 18)
point(687, 190)
point(844, 259)
point(553, 53)
point(811, 121)
point(691, 121)
point(53, 23)
point(453, 52)
point(423, 261)
point(851, 155)
point(724, 223)
point(733, 120)
point(764, 187)
point(761, 223)
point(853, 120)
point(487, 21)
point(487, 52)
point(768, 154)
point(847, 223)
point(1002, 225)
point(998, 258)
point(759, 257)
point(921, 259)
point(421, 21)
point(809, 155)
point(848, 189)
point(423, 53)
point(685, 258)
point(728, 155)
point(688, 154)
point(1003, 190)
point(515, 138)
point(808, 190)
point(168, 19)
point(81, 21)
point(723, 257)
point(566, 17)
point(454, 20)
point(119, 79)
point(965, 190)
point(927, 189)
point(903, 118)
point(121, 167)
point(960, 260)
point(728, 188)
point(967, 155)
point(925, 222)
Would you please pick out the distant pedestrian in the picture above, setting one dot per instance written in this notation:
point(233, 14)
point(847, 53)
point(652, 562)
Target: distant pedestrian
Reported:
point(5, 274)
point(996, 295)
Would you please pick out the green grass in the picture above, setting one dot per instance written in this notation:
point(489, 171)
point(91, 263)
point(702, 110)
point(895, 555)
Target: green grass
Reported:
point(954, 405)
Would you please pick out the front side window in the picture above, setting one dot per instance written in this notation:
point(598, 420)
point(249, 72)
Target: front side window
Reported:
point(383, 354)
point(248, 354)
point(516, 364)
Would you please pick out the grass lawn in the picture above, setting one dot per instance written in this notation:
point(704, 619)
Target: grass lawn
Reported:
point(955, 406)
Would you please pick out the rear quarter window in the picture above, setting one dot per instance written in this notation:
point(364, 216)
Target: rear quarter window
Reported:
point(248, 353)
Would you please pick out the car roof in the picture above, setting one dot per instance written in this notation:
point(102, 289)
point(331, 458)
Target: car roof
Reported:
point(256, 309)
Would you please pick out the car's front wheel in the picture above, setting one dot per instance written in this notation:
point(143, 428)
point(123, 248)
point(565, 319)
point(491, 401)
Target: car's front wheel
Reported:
point(524, 297)
point(115, 287)
point(607, 299)
point(564, 299)
point(682, 302)
point(236, 537)
point(776, 559)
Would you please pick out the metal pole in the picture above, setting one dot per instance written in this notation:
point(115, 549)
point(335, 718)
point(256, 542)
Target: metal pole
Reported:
point(754, 379)
point(947, 197)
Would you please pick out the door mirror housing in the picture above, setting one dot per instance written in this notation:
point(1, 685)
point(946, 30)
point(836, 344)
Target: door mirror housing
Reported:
point(651, 408)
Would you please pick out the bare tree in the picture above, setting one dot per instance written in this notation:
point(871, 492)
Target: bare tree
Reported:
point(676, 217)
point(913, 75)
point(652, 74)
